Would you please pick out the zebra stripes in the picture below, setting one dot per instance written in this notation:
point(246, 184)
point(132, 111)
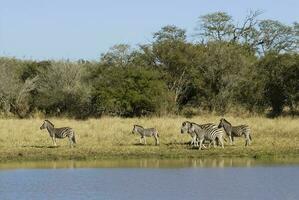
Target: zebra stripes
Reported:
point(185, 128)
point(204, 132)
point(236, 131)
point(146, 132)
point(199, 133)
point(59, 133)
point(208, 132)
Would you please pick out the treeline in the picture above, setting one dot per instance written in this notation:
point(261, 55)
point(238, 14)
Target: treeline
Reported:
point(251, 66)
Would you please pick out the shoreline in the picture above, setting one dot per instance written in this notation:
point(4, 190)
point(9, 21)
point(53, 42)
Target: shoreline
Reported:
point(152, 162)
point(217, 153)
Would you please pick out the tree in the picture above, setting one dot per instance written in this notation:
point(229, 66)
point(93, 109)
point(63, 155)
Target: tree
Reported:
point(128, 92)
point(280, 74)
point(62, 91)
point(15, 93)
point(118, 55)
point(172, 56)
point(219, 69)
point(216, 26)
point(277, 37)
point(262, 35)
point(170, 33)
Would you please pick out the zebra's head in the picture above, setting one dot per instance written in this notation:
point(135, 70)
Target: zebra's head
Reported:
point(221, 123)
point(135, 129)
point(46, 124)
point(43, 126)
point(185, 127)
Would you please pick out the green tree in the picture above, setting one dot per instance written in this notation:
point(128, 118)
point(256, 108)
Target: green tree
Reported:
point(281, 84)
point(128, 92)
point(118, 56)
point(61, 90)
point(216, 26)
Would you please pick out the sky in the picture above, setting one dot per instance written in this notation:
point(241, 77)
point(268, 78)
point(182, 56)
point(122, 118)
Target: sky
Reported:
point(83, 29)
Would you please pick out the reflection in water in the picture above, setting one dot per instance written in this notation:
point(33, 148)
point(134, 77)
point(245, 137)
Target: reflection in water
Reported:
point(173, 182)
point(218, 178)
point(151, 163)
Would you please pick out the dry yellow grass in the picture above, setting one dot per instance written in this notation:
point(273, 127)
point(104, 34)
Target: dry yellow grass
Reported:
point(112, 138)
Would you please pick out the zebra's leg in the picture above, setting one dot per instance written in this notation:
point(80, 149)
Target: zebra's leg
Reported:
point(247, 140)
point(233, 140)
point(54, 141)
point(71, 142)
point(209, 144)
point(140, 140)
point(157, 139)
point(220, 140)
point(230, 139)
point(196, 142)
point(214, 143)
point(193, 140)
point(144, 138)
point(200, 144)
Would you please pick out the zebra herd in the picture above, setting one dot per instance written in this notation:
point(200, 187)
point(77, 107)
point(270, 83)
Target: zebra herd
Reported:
point(212, 133)
point(200, 133)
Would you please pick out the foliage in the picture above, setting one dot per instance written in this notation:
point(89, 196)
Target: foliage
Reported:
point(252, 65)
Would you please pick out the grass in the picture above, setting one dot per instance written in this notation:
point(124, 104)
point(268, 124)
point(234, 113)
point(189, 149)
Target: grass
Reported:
point(111, 138)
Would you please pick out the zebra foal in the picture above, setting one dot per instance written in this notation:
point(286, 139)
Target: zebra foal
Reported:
point(236, 131)
point(59, 133)
point(146, 132)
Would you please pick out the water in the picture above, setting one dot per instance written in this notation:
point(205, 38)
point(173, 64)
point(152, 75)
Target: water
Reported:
point(151, 179)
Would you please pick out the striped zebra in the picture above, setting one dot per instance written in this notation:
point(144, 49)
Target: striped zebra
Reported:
point(236, 131)
point(185, 128)
point(204, 132)
point(146, 132)
point(209, 132)
point(59, 132)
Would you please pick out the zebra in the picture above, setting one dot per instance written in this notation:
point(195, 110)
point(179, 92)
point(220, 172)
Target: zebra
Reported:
point(205, 132)
point(208, 132)
point(59, 132)
point(236, 131)
point(185, 127)
point(146, 132)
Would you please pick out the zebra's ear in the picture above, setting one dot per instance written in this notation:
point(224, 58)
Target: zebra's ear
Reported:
point(184, 123)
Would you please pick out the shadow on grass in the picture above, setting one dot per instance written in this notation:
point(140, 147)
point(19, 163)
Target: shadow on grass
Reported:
point(141, 144)
point(40, 146)
point(178, 143)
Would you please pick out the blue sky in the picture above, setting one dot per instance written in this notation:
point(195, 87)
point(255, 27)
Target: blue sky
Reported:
point(74, 29)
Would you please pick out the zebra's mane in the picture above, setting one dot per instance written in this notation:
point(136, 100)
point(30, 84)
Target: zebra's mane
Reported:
point(226, 121)
point(139, 126)
point(193, 123)
point(49, 122)
point(185, 122)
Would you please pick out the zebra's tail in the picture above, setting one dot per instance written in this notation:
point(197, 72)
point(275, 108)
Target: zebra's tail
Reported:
point(158, 134)
point(250, 137)
point(74, 139)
